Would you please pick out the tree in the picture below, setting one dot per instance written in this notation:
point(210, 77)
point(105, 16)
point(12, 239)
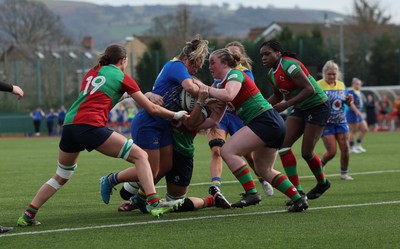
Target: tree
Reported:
point(149, 65)
point(182, 25)
point(366, 25)
point(385, 61)
point(30, 23)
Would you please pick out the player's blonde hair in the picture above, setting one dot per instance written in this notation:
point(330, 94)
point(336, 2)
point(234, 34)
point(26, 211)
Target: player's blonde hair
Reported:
point(196, 51)
point(244, 58)
point(331, 65)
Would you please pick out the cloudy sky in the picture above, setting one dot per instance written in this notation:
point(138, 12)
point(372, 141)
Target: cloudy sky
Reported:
point(341, 6)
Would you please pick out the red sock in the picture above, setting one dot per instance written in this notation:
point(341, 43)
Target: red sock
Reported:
point(290, 166)
point(316, 167)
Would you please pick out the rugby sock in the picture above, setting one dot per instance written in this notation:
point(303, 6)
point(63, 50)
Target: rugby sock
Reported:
point(344, 170)
point(216, 181)
point(113, 178)
point(243, 174)
point(208, 202)
point(359, 140)
point(282, 183)
point(290, 166)
point(30, 212)
point(351, 143)
point(153, 199)
point(315, 165)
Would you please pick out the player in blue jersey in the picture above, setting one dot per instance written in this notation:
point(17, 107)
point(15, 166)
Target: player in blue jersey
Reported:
point(153, 134)
point(336, 129)
point(230, 124)
point(358, 126)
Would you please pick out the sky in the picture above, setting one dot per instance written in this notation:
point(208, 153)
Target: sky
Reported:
point(392, 7)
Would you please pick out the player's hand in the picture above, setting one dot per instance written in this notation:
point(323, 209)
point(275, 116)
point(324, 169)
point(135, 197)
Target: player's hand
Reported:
point(181, 114)
point(18, 91)
point(156, 99)
point(349, 99)
point(203, 93)
point(280, 107)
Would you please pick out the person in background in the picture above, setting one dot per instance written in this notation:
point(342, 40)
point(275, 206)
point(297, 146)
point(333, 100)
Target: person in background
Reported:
point(291, 81)
point(50, 116)
point(336, 129)
point(132, 110)
point(85, 128)
point(120, 112)
point(36, 116)
point(396, 114)
point(61, 117)
point(370, 109)
point(358, 126)
point(229, 124)
point(385, 108)
point(5, 87)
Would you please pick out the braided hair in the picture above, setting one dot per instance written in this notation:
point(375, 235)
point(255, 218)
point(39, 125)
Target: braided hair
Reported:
point(276, 46)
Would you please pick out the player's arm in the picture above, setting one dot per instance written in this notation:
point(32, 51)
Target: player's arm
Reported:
point(218, 109)
point(157, 110)
point(11, 88)
point(228, 93)
point(196, 115)
point(301, 81)
point(276, 97)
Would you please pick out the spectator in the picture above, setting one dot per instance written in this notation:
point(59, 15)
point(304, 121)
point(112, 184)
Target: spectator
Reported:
point(61, 117)
point(37, 115)
point(50, 120)
point(385, 107)
point(370, 107)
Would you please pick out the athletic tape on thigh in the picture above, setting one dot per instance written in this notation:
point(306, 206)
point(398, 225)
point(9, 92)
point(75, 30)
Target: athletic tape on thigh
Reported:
point(216, 142)
point(66, 171)
point(53, 183)
point(126, 149)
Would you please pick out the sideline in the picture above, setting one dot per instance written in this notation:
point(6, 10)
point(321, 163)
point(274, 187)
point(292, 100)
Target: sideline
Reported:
point(194, 218)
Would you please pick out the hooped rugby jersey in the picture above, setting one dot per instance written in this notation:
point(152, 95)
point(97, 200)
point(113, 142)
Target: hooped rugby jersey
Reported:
point(249, 102)
point(282, 78)
point(101, 89)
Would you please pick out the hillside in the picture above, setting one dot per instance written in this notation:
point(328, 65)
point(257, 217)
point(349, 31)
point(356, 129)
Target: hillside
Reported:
point(107, 24)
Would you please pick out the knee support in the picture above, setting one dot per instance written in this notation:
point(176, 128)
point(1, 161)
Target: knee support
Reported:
point(128, 190)
point(126, 149)
point(64, 172)
point(216, 142)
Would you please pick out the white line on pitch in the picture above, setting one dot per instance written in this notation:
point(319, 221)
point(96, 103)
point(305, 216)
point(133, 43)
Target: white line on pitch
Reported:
point(193, 218)
point(303, 177)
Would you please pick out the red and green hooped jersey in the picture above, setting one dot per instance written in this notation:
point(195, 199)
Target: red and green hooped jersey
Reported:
point(249, 102)
point(282, 77)
point(101, 89)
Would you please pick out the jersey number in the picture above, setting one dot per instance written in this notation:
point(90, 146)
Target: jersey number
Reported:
point(96, 82)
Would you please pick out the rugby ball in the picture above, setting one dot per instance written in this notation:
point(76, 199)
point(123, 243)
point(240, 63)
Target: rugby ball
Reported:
point(187, 101)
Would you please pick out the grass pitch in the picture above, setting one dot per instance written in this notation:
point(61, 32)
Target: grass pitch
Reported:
point(363, 213)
